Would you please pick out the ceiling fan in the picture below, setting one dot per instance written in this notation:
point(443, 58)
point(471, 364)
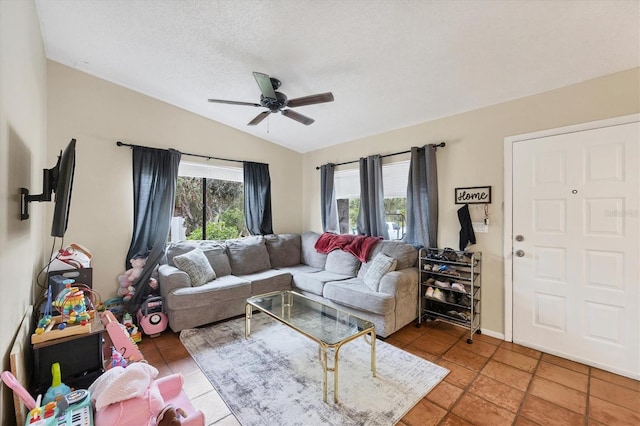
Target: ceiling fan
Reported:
point(277, 101)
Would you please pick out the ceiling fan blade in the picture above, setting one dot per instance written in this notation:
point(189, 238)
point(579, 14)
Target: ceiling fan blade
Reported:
point(259, 118)
point(298, 117)
point(309, 100)
point(220, 101)
point(264, 82)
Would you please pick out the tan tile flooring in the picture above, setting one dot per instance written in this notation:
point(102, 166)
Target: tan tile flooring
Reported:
point(492, 382)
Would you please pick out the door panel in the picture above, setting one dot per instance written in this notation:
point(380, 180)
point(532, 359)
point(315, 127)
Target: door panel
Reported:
point(576, 289)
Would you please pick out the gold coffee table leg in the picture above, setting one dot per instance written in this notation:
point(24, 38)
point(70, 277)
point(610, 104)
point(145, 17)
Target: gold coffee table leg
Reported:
point(247, 320)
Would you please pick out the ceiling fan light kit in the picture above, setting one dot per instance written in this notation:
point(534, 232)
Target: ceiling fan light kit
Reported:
point(277, 101)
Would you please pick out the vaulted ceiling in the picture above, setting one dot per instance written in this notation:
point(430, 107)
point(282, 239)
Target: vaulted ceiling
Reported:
point(389, 63)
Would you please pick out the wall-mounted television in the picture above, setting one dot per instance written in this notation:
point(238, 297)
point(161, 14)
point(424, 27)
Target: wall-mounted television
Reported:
point(58, 179)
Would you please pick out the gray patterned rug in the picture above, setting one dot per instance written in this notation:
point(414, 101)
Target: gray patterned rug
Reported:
point(274, 377)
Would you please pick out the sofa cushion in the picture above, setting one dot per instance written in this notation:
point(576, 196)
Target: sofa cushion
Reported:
point(380, 265)
point(313, 282)
point(299, 269)
point(215, 251)
point(196, 265)
point(268, 281)
point(310, 256)
point(223, 288)
point(248, 255)
point(355, 294)
point(284, 249)
point(343, 263)
point(404, 253)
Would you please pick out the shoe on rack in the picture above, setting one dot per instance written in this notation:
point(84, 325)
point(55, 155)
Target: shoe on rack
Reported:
point(427, 267)
point(451, 298)
point(431, 281)
point(463, 316)
point(429, 292)
point(465, 301)
point(442, 284)
point(458, 287)
point(437, 294)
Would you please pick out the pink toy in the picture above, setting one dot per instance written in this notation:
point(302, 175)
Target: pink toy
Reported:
point(117, 359)
point(10, 380)
point(129, 277)
point(152, 396)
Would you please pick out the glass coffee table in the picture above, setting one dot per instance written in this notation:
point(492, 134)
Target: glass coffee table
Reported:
point(329, 327)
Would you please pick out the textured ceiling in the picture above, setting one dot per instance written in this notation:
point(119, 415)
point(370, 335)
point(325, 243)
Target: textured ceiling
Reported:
point(390, 64)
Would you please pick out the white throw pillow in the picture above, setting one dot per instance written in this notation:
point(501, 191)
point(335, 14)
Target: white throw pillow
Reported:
point(379, 267)
point(196, 265)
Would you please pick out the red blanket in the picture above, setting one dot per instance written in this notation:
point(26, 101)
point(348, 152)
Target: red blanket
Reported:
point(358, 245)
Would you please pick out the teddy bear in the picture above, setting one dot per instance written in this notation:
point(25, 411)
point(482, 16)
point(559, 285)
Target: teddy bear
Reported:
point(129, 277)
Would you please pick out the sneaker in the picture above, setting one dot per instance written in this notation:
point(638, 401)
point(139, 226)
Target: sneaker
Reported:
point(431, 281)
point(451, 298)
point(427, 267)
point(442, 284)
point(429, 292)
point(465, 301)
point(437, 294)
point(459, 287)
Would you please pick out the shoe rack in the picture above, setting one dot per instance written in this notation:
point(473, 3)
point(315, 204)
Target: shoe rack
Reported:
point(450, 284)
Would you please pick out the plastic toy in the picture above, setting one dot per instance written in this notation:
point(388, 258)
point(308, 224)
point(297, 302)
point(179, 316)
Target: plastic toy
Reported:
point(117, 359)
point(10, 380)
point(151, 316)
point(120, 337)
point(57, 389)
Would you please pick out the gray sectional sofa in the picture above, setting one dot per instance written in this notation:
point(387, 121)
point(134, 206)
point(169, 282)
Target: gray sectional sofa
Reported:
point(237, 269)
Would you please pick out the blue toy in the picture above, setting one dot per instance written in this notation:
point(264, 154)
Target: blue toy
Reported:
point(58, 389)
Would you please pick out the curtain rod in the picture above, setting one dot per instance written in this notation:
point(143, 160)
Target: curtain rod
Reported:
point(208, 157)
point(440, 145)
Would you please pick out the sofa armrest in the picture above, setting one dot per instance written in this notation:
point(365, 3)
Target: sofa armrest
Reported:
point(172, 278)
point(398, 282)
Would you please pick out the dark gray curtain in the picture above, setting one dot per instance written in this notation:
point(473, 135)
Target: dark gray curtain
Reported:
point(371, 217)
point(328, 205)
point(155, 173)
point(422, 198)
point(257, 198)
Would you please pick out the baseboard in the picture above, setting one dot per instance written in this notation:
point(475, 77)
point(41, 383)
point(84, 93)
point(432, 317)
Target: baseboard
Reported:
point(492, 333)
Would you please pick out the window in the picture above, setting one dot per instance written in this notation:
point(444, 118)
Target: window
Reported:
point(347, 187)
point(209, 203)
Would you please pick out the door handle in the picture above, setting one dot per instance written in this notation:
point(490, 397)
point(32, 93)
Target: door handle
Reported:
point(520, 253)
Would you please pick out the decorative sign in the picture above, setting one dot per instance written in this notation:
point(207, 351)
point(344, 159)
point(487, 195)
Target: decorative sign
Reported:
point(473, 195)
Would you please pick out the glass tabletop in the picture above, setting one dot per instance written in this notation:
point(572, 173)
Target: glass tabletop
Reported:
point(319, 321)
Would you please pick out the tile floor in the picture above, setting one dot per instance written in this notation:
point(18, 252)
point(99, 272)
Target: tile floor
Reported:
point(492, 382)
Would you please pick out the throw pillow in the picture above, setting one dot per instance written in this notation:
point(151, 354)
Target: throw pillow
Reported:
point(196, 265)
point(379, 267)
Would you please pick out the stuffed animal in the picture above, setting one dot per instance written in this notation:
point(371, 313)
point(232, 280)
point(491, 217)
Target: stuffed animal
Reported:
point(129, 277)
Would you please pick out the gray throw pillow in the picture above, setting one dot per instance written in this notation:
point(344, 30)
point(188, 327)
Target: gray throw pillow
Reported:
point(379, 267)
point(197, 266)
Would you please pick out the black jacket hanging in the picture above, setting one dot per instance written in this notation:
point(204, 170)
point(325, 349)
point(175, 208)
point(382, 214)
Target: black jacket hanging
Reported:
point(467, 236)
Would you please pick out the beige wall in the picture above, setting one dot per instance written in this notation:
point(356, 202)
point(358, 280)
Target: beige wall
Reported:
point(474, 157)
point(98, 113)
point(22, 158)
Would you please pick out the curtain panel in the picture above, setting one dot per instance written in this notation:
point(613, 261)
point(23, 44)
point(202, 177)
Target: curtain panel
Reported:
point(155, 174)
point(328, 204)
point(371, 216)
point(422, 198)
point(257, 198)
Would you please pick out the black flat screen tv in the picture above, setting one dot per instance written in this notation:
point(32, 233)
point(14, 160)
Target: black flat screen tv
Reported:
point(62, 185)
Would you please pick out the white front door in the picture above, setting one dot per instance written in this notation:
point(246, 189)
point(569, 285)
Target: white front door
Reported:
point(576, 285)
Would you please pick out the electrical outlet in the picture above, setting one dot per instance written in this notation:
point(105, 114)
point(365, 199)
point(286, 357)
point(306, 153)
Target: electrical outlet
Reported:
point(480, 227)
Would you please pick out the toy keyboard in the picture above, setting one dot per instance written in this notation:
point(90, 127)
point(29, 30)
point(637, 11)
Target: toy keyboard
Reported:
point(76, 411)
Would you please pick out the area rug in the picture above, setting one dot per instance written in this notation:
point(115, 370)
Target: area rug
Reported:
point(274, 377)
